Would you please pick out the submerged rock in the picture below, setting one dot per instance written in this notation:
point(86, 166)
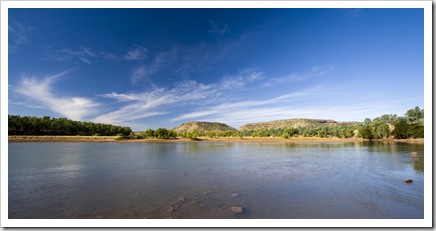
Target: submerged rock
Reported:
point(175, 205)
point(172, 208)
point(235, 195)
point(206, 193)
point(236, 209)
point(408, 180)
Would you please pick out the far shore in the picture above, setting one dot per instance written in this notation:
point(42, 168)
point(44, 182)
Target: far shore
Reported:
point(102, 139)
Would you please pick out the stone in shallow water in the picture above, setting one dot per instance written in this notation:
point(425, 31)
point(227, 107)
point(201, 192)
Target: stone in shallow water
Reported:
point(408, 180)
point(175, 205)
point(235, 195)
point(236, 209)
point(172, 208)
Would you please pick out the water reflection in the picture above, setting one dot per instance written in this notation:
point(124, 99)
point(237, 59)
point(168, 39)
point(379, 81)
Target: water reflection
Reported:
point(418, 161)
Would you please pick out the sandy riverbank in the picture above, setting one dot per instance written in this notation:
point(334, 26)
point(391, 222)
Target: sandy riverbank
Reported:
point(203, 139)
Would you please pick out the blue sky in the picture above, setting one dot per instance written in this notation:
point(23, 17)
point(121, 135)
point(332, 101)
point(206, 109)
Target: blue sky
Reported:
point(150, 68)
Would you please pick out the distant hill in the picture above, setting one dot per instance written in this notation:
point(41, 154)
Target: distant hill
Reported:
point(292, 123)
point(201, 126)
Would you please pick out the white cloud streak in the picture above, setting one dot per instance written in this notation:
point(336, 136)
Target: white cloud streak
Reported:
point(244, 111)
point(152, 103)
point(138, 74)
point(136, 53)
point(186, 60)
point(87, 55)
point(299, 76)
point(40, 92)
point(18, 34)
point(82, 54)
point(240, 80)
point(339, 104)
point(161, 101)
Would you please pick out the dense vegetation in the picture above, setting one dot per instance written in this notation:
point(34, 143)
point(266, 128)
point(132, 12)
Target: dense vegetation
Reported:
point(26, 125)
point(160, 133)
point(385, 126)
point(409, 126)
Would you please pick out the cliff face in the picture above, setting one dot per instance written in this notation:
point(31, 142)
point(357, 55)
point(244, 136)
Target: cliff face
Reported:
point(291, 123)
point(203, 127)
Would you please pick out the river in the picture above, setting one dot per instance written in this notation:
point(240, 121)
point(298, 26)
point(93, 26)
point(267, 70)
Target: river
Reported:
point(204, 180)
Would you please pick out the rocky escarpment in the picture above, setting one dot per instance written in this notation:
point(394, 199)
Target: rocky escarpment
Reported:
point(291, 123)
point(202, 126)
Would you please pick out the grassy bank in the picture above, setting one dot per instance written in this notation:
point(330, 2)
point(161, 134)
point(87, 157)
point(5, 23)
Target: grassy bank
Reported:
point(201, 139)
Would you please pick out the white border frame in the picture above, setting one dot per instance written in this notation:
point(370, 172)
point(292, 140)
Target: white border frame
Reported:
point(426, 222)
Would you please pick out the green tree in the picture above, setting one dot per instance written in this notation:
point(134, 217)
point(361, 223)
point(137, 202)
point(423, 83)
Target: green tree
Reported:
point(149, 133)
point(366, 132)
point(415, 115)
point(162, 133)
point(322, 133)
point(416, 131)
point(401, 130)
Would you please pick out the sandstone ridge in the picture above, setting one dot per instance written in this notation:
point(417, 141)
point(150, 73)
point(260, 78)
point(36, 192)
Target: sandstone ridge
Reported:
point(292, 123)
point(202, 126)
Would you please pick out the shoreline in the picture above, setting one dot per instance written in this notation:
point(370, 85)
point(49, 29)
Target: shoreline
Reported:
point(112, 139)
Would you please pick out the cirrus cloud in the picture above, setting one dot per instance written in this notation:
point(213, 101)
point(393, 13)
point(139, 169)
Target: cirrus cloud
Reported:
point(40, 92)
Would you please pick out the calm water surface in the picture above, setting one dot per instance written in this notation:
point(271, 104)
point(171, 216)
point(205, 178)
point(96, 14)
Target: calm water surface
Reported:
point(197, 180)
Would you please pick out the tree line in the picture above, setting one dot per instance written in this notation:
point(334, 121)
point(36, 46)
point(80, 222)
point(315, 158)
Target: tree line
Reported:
point(411, 125)
point(27, 125)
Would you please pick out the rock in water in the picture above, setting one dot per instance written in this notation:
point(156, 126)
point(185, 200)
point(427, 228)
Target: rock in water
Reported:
point(235, 195)
point(175, 205)
point(236, 209)
point(408, 180)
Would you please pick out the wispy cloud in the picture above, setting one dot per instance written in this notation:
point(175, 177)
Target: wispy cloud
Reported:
point(82, 54)
point(88, 55)
point(240, 80)
point(210, 99)
point(316, 102)
point(40, 92)
point(136, 53)
point(18, 34)
point(218, 28)
point(138, 74)
point(154, 102)
point(187, 60)
point(162, 100)
point(161, 60)
point(245, 111)
point(111, 57)
point(299, 76)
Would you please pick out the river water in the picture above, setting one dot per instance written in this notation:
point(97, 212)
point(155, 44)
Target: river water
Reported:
point(204, 180)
